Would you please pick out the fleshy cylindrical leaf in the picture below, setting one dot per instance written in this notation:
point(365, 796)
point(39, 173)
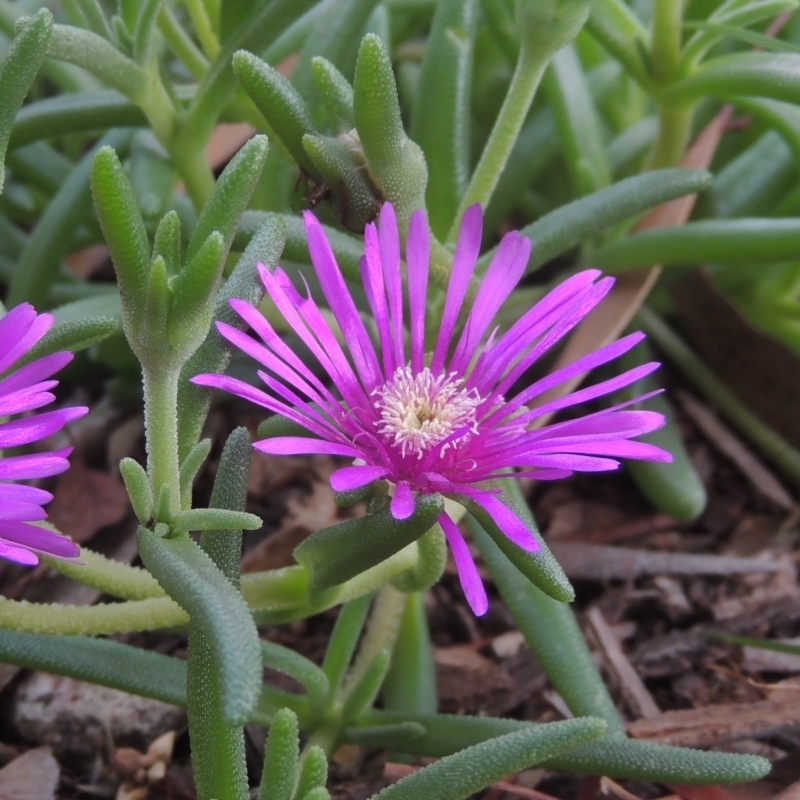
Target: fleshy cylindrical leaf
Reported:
point(396, 164)
point(336, 554)
point(18, 69)
point(279, 102)
point(124, 231)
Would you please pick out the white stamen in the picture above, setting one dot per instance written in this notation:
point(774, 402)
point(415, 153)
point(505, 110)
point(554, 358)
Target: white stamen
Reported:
point(420, 411)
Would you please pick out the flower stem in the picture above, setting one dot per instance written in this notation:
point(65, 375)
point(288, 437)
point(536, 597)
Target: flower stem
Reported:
point(527, 77)
point(161, 431)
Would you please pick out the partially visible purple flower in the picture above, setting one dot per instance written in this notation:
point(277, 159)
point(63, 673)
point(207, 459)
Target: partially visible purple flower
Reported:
point(23, 390)
point(440, 421)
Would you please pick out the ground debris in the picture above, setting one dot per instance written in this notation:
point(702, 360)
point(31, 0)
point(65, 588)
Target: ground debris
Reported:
point(33, 775)
point(80, 720)
point(607, 563)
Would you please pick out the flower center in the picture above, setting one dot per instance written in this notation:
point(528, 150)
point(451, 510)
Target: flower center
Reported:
point(420, 411)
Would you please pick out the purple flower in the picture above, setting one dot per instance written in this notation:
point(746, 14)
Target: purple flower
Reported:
point(440, 421)
point(21, 391)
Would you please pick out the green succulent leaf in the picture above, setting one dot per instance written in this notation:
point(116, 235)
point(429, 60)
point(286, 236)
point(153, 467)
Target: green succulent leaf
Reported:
point(460, 775)
point(773, 75)
point(230, 197)
point(541, 567)
point(82, 112)
point(281, 759)
point(101, 661)
point(615, 756)
point(336, 554)
point(73, 335)
point(280, 103)
point(134, 476)
point(18, 69)
point(558, 231)
point(396, 164)
point(191, 578)
point(313, 772)
point(336, 93)
point(736, 241)
point(125, 234)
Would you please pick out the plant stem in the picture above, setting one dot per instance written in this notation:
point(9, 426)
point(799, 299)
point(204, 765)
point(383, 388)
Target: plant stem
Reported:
point(278, 595)
point(527, 77)
point(675, 123)
point(769, 441)
point(674, 131)
point(381, 633)
point(203, 28)
point(666, 39)
point(189, 157)
point(181, 43)
point(161, 431)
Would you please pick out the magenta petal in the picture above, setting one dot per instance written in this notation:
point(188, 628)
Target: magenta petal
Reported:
point(21, 511)
point(402, 505)
point(33, 373)
point(28, 399)
point(591, 392)
point(468, 576)
point(39, 465)
point(40, 539)
point(418, 248)
point(468, 248)
point(574, 462)
point(606, 424)
point(502, 276)
point(389, 238)
point(19, 555)
point(642, 451)
point(302, 446)
point(341, 302)
point(32, 429)
point(19, 338)
point(24, 494)
point(347, 479)
point(508, 522)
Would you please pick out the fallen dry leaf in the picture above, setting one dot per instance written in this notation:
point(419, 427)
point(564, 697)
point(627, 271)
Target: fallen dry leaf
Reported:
point(636, 694)
point(606, 563)
point(85, 501)
point(711, 725)
point(32, 776)
point(758, 367)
